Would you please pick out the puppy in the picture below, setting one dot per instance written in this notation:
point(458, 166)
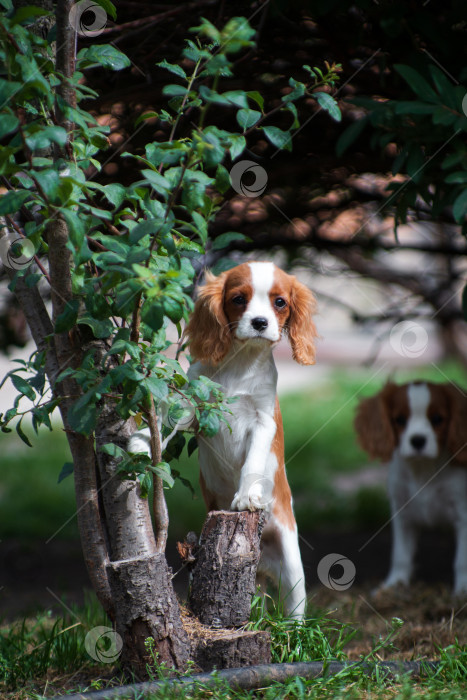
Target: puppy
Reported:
point(238, 319)
point(420, 429)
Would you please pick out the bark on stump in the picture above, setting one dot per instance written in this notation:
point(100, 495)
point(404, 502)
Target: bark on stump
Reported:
point(223, 584)
point(146, 606)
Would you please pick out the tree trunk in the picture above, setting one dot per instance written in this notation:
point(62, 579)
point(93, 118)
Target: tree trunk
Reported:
point(146, 606)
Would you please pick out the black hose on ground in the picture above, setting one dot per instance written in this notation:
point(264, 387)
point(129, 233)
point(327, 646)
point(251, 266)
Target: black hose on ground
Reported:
point(253, 677)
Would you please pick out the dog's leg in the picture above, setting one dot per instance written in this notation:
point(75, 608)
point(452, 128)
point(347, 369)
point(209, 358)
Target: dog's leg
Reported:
point(460, 562)
point(404, 540)
point(281, 561)
point(256, 479)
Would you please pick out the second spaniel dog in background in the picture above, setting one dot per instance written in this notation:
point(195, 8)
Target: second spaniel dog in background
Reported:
point(238, 319)
point(420, 429)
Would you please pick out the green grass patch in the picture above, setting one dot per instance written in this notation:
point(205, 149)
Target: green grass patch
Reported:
point(49, 652)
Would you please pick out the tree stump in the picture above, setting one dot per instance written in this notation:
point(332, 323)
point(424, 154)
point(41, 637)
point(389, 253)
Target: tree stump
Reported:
point(223, 584)
point(224, 576)
point(139, 615)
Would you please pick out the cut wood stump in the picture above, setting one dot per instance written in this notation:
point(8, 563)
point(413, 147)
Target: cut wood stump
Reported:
point(224, 576)
point(222, 588)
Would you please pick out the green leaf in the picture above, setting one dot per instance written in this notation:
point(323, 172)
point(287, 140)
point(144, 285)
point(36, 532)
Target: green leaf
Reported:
point(350, 135)
point(329, 104)
point(157, 387)
point(22, 435)
point(200, 390)
point(418, 84)
point(43, 138)
point(83, 413)
point(459, 209)
point(152, 314)
point(66, 470)
point(413, 107)
point(256, 97)
point(297, 91)
point(174, 90)
point(8, 123)
point(115, 194)
point(68, 317)
point(100, 329)
point(162, 469)
point(248, 118)
point(12, 201)
point(209, 423)
point(173, 309)
point(172, 67)
point(278, 138)
point(222, 179)
point(456, 178)
point(22, 386)
point(109, 7)
point(225, 239)
point(192, 445)
point(144, 228)
point(110, 448)
point(237, 145)
point(24, 13)
point(157, 181)
point(105, 55)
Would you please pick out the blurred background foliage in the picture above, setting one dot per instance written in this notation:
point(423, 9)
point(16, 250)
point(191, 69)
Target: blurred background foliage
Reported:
point(320, 446)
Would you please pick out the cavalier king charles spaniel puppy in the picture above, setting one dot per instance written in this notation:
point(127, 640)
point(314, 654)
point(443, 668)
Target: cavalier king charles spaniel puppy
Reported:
point(420, 429)
point(239, 317)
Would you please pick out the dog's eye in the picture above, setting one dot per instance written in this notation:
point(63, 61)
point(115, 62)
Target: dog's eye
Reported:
point(400, 420)
point(239, 300)
point(279, 303)
point(436, 419)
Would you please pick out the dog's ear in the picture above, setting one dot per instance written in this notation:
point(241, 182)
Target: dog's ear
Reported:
point(373, 425)
point(457, 429)
point(207, 330)
point(300, 327)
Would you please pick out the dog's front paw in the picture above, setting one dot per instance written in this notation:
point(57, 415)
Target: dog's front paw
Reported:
point(251, 499)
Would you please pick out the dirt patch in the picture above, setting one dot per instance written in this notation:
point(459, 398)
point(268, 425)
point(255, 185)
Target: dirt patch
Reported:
point(432, 619)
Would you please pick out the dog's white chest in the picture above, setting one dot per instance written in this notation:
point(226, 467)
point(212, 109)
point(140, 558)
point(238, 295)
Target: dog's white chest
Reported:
point(430, 494)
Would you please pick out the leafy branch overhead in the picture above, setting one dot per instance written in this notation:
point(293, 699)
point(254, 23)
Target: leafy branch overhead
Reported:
point(135, 249)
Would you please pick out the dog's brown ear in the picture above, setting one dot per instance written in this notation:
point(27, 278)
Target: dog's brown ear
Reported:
point(207, 330)
point(373, 425)
point(457, 429)
point(300, 326)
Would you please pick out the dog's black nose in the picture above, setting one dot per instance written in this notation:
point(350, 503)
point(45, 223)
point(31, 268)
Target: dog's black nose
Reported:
point(418, 441)
point(259, 323)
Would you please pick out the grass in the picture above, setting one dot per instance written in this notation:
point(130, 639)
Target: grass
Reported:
point(320, 445)
point(47, 655)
